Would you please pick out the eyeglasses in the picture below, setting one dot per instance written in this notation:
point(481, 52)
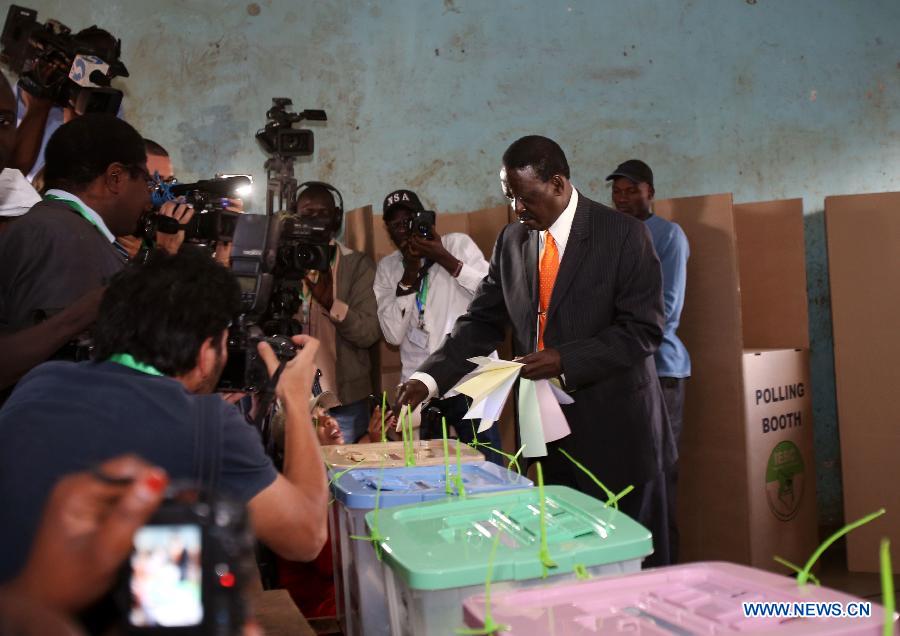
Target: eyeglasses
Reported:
point(143, 173)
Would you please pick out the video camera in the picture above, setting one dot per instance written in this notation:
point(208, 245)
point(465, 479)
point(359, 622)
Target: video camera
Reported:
point(280, 138)
point(272, 254)
point(212, 221)
point(302, 246)
point(70, 70)
point(203, 547)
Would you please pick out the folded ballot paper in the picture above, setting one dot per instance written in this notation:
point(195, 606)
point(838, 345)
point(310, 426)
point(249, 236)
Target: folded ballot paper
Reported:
point(541, 419)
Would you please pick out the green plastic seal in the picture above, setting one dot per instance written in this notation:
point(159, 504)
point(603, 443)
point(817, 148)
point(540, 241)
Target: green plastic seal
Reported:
point(784, 480)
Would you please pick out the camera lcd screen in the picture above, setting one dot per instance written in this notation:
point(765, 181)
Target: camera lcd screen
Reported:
point(247, 283)
point(166, 577)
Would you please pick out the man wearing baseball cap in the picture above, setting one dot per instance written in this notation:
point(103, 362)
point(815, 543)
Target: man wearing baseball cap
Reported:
point(421, 289)
point(632, 193)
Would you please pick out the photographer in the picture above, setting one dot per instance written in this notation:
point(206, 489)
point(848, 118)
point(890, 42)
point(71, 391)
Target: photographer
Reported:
point(339, 309)
point(54, 258)
point(40, 117)
point(159, 165)
point(160, 349)
point(422, 288)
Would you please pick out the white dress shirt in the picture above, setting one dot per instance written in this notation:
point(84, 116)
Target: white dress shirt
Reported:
point(560, 230)
point(562, 227)
point(448, 298)
point(16, 194)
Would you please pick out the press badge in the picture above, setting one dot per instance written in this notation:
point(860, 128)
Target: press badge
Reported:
point(418, 337)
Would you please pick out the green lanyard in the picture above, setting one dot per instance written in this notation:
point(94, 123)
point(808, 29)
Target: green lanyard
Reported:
point(127, 360)
point(75, 206)
point(422, 296)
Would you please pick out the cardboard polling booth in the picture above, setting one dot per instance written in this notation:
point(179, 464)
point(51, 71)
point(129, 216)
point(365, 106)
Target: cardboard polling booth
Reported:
point(864, 268)
point(747, 481)
point(365, 232)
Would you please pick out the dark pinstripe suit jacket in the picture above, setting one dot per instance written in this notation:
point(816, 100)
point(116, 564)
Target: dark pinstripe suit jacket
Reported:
point(605, 318)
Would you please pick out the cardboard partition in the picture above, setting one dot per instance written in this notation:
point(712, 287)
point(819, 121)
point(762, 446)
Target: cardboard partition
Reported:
point(772, 269)
point(358, 230)
point(780, 456)
point(485, 226)
point(714, 521)
point(863, 233)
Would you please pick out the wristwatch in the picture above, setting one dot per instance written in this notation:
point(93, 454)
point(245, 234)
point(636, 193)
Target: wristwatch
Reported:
point(403, 290)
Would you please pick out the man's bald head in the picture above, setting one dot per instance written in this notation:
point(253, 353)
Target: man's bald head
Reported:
point(7, 121)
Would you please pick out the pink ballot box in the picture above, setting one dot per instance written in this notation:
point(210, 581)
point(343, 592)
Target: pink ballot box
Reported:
point(683, 600)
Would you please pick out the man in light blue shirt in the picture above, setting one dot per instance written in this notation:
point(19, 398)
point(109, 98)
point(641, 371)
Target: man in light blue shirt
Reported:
point(632, 193)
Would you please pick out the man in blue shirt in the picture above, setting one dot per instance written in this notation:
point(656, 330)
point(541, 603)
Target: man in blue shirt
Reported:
point(159, 349)
point(632, 193)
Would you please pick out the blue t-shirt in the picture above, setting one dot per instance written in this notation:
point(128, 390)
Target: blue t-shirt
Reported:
point(65, 417)
point(671, 245)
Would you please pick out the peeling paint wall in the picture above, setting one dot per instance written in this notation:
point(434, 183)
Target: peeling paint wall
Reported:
point(763, 98)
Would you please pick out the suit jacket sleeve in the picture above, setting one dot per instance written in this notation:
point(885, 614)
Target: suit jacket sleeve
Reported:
point(637, 327)
point(478, 332)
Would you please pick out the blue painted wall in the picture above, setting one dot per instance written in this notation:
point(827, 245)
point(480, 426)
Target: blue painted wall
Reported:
point(763, 98)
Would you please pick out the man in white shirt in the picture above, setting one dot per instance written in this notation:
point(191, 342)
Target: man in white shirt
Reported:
point(421, 289)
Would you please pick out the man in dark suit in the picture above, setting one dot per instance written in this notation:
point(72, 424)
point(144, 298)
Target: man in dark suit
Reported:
point(581, 286)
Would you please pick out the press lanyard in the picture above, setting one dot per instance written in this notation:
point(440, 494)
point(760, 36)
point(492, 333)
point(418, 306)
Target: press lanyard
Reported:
point(421, 299)
point(77, 207)
point(127, 360)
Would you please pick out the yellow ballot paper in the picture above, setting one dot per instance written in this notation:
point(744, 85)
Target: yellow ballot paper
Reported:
point(541, 419)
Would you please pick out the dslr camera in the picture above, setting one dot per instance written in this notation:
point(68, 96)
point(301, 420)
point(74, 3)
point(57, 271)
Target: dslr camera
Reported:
point(211, 222)
point(422, 223)
point(71, 70)
point(188, 568)
point(245, 370)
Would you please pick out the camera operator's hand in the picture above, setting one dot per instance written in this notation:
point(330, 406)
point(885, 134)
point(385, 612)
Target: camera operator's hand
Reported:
point(182, 213)
point(411, 393)
point(223, 250)
point(433, 249)
point(323, 289)
point(233, 397)
point(86, 532)
point(412, 264)
point(296, 380)
point(131, 243)
point(32, 102)
point(30, 133)
point(390, 424)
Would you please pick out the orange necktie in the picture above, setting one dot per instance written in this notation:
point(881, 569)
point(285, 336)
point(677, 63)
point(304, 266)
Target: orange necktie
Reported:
point(547, 278)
